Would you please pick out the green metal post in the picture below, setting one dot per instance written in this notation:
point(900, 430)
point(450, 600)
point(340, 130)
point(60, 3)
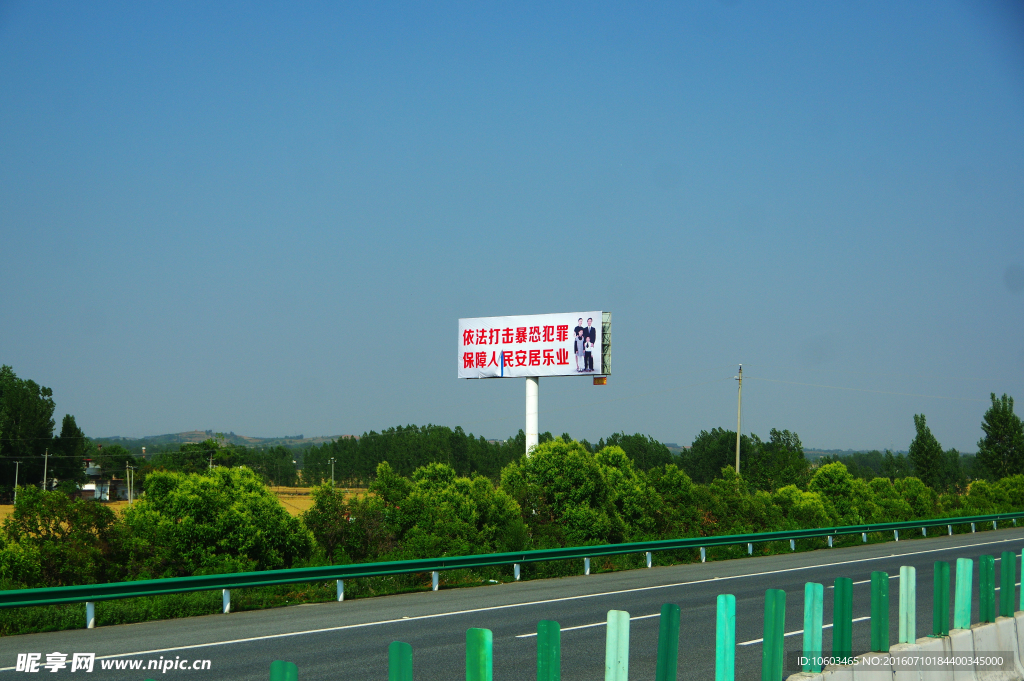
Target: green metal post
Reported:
point(962, 603)
point(399, 661)
point(725, 639)
point(842, 619)
point(940, 600)
point(774, 630)
point(283, 671)
point(479, 655)
point(908, 604)
point(879, 612)
point(1022, 575)
point(616, 647)
point(668, 643)
point(814, 597)
point(549, 651)
point(987, 589)
point(1007, 582)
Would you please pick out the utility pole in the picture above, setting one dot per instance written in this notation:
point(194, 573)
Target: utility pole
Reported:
point(739, 409)
point(46, 461)
point(332, 472)
point(17, 465)
point(128, 476)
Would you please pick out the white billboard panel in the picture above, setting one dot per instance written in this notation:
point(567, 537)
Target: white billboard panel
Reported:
point(567, 344)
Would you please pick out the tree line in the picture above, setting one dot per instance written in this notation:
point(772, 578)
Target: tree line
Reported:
point(27, 437)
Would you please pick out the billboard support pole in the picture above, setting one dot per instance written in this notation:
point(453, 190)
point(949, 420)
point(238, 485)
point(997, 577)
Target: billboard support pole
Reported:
point(532, 392)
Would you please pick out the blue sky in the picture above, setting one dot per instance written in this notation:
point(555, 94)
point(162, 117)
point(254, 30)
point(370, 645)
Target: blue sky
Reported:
point(268, 218)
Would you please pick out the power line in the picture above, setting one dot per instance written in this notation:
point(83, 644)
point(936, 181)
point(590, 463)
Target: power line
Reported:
point(866, 390)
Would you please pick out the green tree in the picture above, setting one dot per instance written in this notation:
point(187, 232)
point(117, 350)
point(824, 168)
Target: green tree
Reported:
point(635, 500)
point(26, 420)
point(834, 485)
point(224, 520)
point(329, 520)
point(66, 539)
point(712, 451)
point(778, 462)
point(926, 455)
point(564, 495)
point(111, 459)
point(70, 449)
point(1001, 450)
point(895, 467)
point(643, 450)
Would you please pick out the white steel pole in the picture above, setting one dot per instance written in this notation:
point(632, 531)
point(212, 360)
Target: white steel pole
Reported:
point(739, 409)
point(17, 465)
point(46, 461)
point(532, 430)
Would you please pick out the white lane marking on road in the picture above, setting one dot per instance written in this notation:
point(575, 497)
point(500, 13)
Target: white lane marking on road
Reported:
point(595, 624)
point(798, 631)
point(542, 602)
point(867, 581)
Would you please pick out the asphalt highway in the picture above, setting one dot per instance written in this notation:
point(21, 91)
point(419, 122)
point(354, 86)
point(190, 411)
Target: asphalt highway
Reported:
point(349, 640)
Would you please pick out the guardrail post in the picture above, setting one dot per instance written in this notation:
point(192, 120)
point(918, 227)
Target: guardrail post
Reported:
point(940, 600)
point(972, 527)
point(879, 612)
point(225, 597)
point(703, 556)
point(987, 589)
point(435, 580)
point(950, 528)
point(616, 647)
point(1007, 582)
point(814, 596)
point(725, 639)
point(896, 533)
point(773, 646)
point(792, 544)
point(399, 661)
point(549, 651)
point(515, 570)
point(648, 556)
point(864, 537)
point(1022, 575)
point(830, 541)
point(283, 671)
point(908, 604)
point(842, 618)
point(479, 655)
point(750, 548)
point(668, 643)
point(90, 615)
point(962, 604)
point(586, 566)
point(340, 585)
point(924, 531)
point(994, 525)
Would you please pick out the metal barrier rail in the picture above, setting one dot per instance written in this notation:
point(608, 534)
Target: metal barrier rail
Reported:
point(154, 587)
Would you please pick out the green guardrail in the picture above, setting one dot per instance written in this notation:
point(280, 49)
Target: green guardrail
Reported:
point(154, 587)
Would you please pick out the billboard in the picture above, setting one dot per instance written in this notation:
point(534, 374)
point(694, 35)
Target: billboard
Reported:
point(565, 344)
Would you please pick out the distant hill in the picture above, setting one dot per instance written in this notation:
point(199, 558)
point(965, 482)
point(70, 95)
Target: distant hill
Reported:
point(169, 440)
point(815, 454)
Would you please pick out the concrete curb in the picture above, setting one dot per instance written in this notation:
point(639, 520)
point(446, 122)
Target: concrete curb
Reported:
point(1006, 634)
